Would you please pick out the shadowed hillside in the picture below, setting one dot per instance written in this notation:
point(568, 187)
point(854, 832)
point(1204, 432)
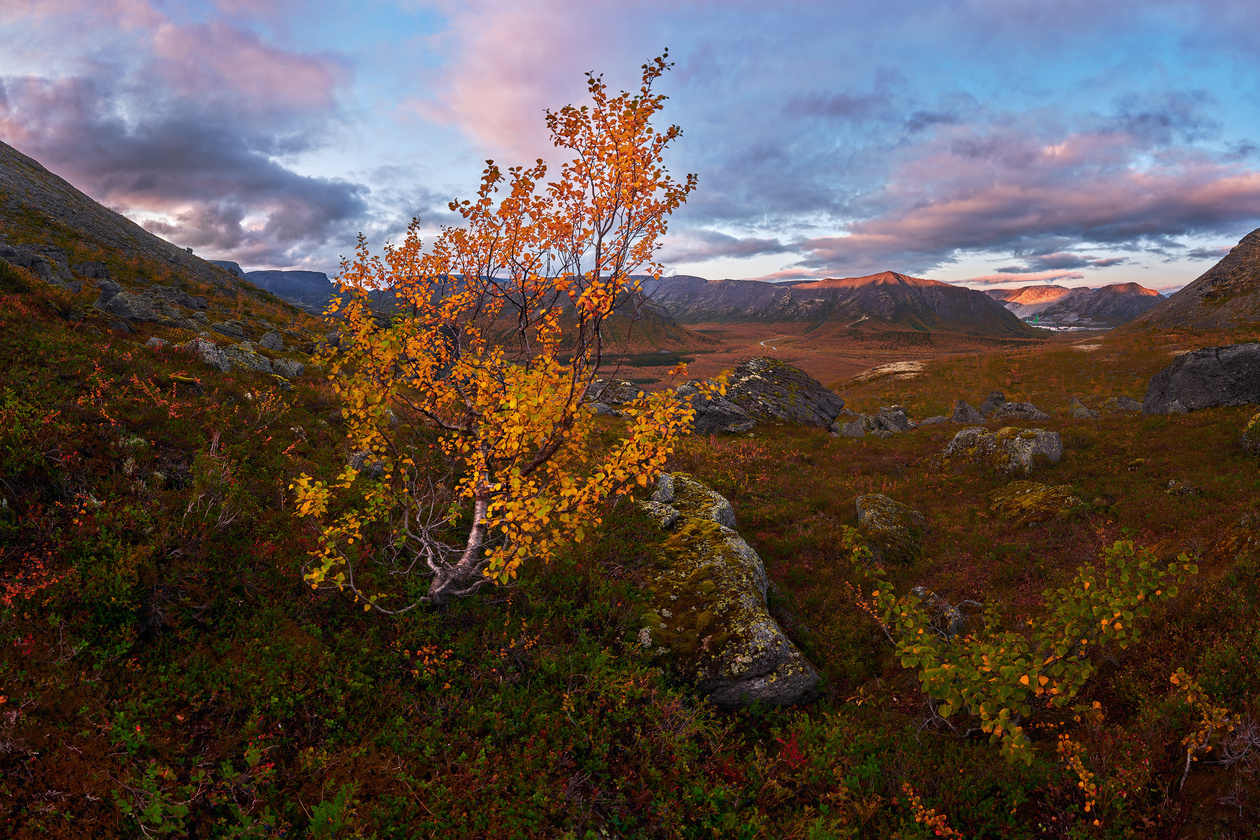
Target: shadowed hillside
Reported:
point(1225, 296)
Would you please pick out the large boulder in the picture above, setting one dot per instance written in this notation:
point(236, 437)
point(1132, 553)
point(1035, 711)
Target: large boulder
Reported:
point(209, 353)
point(718, 414)
point(964, 412)
point(892, 531)
point(772, 390)
point(709, 621)
point(1212, 376)
point(1008, 450)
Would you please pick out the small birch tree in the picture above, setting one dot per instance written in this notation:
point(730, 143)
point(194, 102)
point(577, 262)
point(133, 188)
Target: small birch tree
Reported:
point(469, 402)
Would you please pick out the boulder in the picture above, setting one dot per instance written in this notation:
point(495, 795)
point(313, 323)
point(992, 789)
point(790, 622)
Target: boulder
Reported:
point(891, 418)
point(232, 329)
point(718, 414)
point(1008, 450)
point(935, 420)
point(892, 531)
point(243, 356)
point(852, 429)
point(614, 392)
point(92, 270)
point(992, 403)
point(272, 341)
point(1027, 504)
point(966, 413)
point(208, 352)
point(1018, 411)
point(287, 368)
point(155, 343)
point(1211, 376)
point(768, 389)
point(1079, 411)
point(709, 621)
point(947, 620)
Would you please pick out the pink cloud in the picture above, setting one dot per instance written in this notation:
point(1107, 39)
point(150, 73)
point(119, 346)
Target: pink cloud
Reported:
point(1020, 279)
point(207, 60)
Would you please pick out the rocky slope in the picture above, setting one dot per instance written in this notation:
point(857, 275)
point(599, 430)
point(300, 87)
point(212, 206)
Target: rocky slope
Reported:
point(877, 302)
point(1225, 296)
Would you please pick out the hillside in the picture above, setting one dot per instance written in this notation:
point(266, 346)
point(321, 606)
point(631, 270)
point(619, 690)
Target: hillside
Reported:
point(1079, 308)
point(1223, 297)
point(885, 301)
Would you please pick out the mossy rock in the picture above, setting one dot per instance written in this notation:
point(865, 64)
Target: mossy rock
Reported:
point(892, 531)
point(1028, 503)
point(1251, 435)
point(709, 620)
point(1009, 450)
point(768, 389)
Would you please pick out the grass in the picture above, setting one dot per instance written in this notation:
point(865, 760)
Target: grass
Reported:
point(163, 669)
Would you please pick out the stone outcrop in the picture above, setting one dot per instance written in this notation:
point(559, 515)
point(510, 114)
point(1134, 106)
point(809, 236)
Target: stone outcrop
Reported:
point(1009, 450)
point(1212, 376)
point(966, 413)
point(242, 356)
point(768, 389)
point(1018, 411)
point(1080, 411)
point(709, 621)
point(992, 403)
point(1027, 504)
point(892, 531)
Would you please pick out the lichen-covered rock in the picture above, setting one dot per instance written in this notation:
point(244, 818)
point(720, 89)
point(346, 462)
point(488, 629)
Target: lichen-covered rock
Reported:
point(1211, 376)
point(273, 341)
point(946, 619)
point(934, 420)
point(709, 620)
point(209, 352)
point(232, 329)
point(892, 531)
point(1121, 405)
point(1027, 503)
point(244, 357)
point(1251, 436)
point(768, 389)
point(966, 413)
point(852, 429)
point(1008, 450)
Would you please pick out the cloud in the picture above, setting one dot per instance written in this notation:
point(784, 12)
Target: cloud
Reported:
point(190, 134)
point(699, 245)
point(1059, 261)
point(1207, 253)
point(1048, 277)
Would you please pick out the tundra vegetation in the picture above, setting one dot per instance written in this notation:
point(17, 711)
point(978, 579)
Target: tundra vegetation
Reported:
point(166, 667)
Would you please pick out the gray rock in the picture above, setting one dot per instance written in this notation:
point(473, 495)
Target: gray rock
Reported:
point(1018, 411)
point(1008, 450)
point(892, 419)
point(209, 352)
point(947, 620)
point(768, 389)
point(664, 491)
point(1211, 376)
point(718, 414)
point(601, 408)
point(852, 429)
point(966, 413)
point(92, 270)
point(1080, 411)
point(155, 343)
point(709, 620)
point(272, 341)
point(934, 421)
point(247, 359)
point(362, 461)
point(129, 307)
point(287, 368)
point(992, 403)
point(666, 516)
point(232, 329)
point(108, 289)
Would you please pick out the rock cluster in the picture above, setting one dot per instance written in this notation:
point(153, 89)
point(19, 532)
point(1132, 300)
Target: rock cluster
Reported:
point(243, 356)
point(709, 620)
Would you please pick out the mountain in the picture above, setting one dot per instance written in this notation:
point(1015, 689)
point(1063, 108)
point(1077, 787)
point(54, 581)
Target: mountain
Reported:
point(885, 301)
point(309, 290)
point(1224, 296)
point(1059, 306)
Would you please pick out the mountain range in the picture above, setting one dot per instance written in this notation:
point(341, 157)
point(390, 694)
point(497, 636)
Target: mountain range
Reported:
point(1082, 307)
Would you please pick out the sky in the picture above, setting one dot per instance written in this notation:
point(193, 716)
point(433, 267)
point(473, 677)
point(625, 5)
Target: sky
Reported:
point(989, 143)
